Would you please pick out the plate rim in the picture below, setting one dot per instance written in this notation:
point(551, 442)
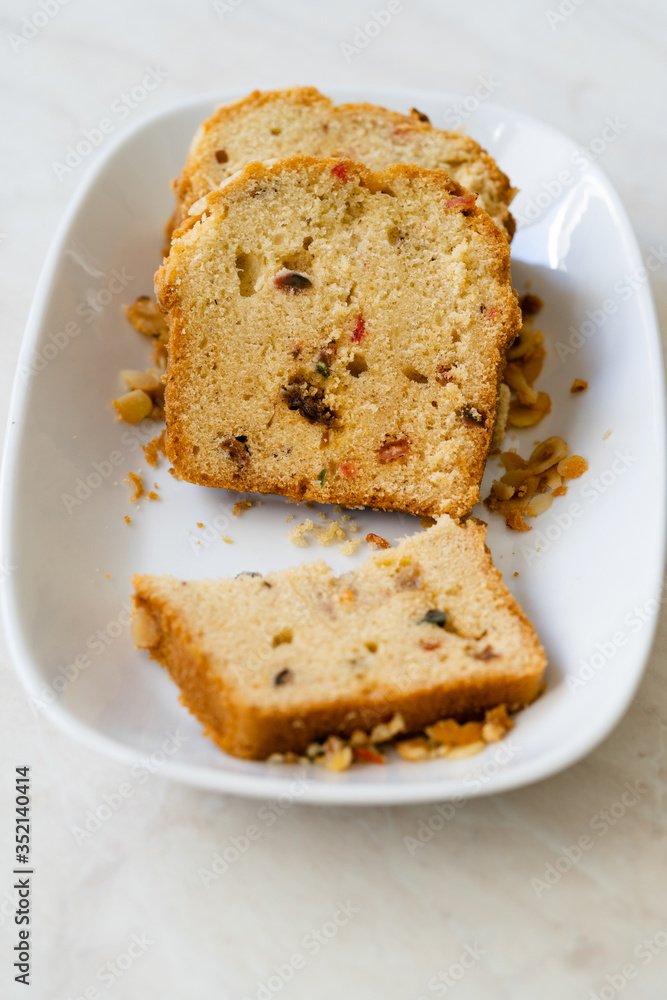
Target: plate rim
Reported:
point(336, 790)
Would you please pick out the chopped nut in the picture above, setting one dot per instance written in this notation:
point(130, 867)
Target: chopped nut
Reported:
point(528, 416)
point(136, 379)
point(472, 417)
point(387, 730)
point(134, 406)
point(452, 733)
point(416, 748)
point(546, 454)
point(145, 316)
point(469, 750)
point(145, 630)
point(530, 305)
point(539, 504)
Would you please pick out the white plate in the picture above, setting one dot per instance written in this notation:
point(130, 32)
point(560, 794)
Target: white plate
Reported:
point(590, 586)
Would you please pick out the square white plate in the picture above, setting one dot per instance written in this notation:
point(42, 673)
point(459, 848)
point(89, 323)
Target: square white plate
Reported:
point(589, 574)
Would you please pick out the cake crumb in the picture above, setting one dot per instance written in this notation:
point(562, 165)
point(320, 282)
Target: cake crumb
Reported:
point(427, 522)
point(578, 385)
point(135, 480)
point(153, 495)
point(606, 435)
point(298, 533)
point(516, 573)
point(200, 524)
point(229, 541)
point(242, 505)
point(155, 447)
point(349, 547)
point(127, 519)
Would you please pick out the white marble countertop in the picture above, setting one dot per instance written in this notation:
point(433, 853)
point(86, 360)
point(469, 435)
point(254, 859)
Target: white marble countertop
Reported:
point(337, 888)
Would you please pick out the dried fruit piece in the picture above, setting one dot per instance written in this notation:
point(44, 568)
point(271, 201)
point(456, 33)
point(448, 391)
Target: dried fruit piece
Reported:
point(572, 467)
point(309, 401)
point(283, 677)
point(292, 282)
point(461, 202)
point(340, 171)
point(377, 540)
point(359, 331)
point(134, 406)
point(348, 469)
point(221, 155)
point(434, 617)
point(237, 449)
point(321, 476)
point(394, 449)
point(145, 316)
point(369, 755)
point(420, 116)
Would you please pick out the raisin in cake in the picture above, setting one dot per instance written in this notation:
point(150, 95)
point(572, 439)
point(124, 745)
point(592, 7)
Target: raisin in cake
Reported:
point(269, 664)
point(337, 335)
point(283, 123)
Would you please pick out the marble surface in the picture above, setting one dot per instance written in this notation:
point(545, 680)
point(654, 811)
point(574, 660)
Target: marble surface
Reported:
point(499, 901)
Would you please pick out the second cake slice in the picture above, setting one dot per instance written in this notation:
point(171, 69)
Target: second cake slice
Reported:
point(337, 335)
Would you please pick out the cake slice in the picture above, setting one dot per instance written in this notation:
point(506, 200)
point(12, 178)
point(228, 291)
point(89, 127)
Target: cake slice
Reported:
point(337, 335)
point(269, 664)
point(283, 123)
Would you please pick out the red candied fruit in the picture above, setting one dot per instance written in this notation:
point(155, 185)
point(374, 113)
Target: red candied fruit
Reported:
point(359, 331)
point(340, 171)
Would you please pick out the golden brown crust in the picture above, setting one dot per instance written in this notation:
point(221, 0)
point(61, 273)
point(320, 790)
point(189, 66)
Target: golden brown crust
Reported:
point(502, 327)
point(225, 115)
